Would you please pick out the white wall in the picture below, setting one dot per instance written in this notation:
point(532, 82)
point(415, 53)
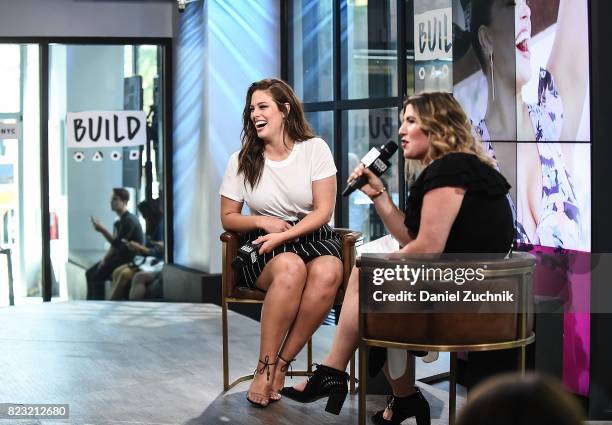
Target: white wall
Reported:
point(239, 44)
point(86, 18)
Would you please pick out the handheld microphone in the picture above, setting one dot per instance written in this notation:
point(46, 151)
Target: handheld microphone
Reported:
point(247, 254)
point(377, 161)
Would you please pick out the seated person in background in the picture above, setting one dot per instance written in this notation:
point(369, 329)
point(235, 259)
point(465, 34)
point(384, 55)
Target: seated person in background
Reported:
point(149, 257)
point(510, 399)
point(146, 275)
point(126, 228)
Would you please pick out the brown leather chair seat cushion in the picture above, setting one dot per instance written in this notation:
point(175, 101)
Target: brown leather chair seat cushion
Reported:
point(441, 328)
point(244, 293)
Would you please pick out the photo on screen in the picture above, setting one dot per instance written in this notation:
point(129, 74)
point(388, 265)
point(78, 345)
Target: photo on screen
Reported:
point(552, 69)
point(521, 69)
point(484, 73)
point(553, 198)
point(505, 155)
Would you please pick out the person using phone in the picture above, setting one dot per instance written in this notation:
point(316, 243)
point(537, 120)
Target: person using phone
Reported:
point(127, 228)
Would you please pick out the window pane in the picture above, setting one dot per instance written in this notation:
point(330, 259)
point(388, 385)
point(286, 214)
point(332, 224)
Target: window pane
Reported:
point(147, 69)
point(311, 42)
point(367, 129)
point(322, 123)
point(9, 83)
point(20, 226)
point(409, 22)
point(369, 48)
point(433, 41)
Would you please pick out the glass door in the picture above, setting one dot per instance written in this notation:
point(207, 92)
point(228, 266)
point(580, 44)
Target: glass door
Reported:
point(20, 195)
point(105, 150)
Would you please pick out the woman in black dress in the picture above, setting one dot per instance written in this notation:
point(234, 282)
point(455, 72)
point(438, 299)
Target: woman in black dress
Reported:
point(457, 204)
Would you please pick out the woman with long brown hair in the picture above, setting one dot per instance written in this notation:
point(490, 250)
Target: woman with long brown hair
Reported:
point(457, 204)
point(287, 177)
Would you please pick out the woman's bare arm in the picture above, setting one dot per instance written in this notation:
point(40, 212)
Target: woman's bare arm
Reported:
point(569, 62)
point(392, 218)
point(439, 211)
point(231, 218)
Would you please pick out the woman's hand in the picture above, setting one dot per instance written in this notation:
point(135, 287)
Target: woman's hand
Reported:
point(269, 242)
point(272, 224)
point(373, 187)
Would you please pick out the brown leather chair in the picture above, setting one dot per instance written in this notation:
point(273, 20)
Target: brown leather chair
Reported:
point(234, 293)
point(425, 325)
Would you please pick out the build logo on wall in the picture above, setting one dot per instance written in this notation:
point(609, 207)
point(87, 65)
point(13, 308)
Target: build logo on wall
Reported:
point(94, 130)
point(433, 45)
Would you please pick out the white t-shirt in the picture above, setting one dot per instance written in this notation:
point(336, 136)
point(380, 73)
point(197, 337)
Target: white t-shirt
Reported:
point(285, 188)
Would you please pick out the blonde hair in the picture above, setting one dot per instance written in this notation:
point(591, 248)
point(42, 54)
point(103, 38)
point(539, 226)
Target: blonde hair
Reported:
point(448, 128)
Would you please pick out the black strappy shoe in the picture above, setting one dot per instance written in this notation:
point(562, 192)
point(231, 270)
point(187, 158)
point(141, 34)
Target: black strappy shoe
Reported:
point(259, 371)
point(284, 368)
point(403, 408)
point(325, 382)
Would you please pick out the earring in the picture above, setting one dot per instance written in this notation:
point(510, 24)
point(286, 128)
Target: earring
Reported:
point(492, 74)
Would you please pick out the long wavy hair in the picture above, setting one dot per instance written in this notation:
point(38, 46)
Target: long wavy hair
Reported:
point(448, 129)
point(251, 158)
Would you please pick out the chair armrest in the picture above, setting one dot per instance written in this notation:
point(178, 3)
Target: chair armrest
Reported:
point(349, 238)
point(348, 235)
point(229, 277)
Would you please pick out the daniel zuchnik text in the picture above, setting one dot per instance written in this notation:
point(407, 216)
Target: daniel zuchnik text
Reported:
point(447, 296)
point(412, 275)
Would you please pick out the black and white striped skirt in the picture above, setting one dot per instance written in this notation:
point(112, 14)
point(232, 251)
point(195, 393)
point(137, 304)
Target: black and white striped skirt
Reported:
point(324, 241)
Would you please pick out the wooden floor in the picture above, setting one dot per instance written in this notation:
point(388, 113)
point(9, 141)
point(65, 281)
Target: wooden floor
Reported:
point(152, 363)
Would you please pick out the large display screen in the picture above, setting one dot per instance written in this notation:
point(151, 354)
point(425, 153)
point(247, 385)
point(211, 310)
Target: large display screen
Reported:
point(521, 72)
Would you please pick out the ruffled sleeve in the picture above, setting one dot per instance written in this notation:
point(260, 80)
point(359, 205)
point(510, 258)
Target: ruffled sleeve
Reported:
point(453, 170)
point(466, 171)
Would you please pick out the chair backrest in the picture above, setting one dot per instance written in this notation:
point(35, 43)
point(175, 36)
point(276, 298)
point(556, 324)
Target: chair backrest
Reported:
point(438, 311)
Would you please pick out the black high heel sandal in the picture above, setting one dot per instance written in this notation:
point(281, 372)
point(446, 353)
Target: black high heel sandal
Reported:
point(403, 408)
point(259, 371)
point(283, 369)
point(325, 382)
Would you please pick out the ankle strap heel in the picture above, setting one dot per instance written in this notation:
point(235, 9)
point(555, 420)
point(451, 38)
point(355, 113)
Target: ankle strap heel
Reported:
point(266, 367)
point(402, 408)
point(326, 382)
point(286, 366)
